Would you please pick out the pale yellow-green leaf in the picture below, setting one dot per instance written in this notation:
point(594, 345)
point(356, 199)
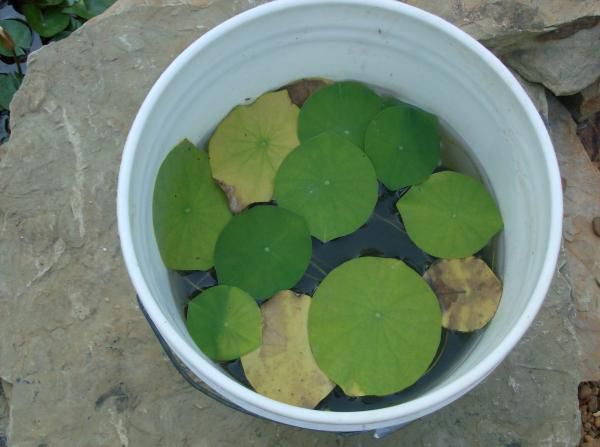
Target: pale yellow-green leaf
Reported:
point(249, 145)
point(283, 368)
point(468, 290)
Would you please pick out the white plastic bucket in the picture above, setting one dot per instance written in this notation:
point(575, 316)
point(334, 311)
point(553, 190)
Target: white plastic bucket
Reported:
point(403, 50)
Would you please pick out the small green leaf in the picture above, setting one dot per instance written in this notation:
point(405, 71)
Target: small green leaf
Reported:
point(374, 326)
point(345, 108)
point(87, 9)
point(283, 368)
point(331, 183)
point(189, 209)
point(19, 33)
point(404, 145)
point(263, 250)
point(250, 144)
point(450, 215)
point(468, 291)
point(46, 22)
point(224, 322)
point(9, 84)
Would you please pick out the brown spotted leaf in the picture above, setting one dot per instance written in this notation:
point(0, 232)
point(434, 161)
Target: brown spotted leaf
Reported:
point(283, 368)
point(299, 91)
point(468, 290)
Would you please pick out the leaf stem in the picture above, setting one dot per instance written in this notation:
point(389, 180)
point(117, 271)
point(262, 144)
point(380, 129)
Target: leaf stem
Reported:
point(316, 266)
point(389, 222)
point(193, 284)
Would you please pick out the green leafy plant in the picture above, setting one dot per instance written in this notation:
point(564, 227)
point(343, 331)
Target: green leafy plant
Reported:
point(373, 326)
point(15, 38)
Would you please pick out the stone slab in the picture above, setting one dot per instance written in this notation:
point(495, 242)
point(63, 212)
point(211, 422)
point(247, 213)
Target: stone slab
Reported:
point(83, 366)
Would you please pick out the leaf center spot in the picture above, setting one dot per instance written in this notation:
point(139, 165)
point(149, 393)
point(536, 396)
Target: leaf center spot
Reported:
point(346, 132)
point(263, 142)
point(377, 315)
point(267, 249)
point(453, 215)
point(187, 210)
point(326, 182)
point(400, 148)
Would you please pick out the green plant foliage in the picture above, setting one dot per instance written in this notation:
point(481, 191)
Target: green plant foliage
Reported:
point(404, 145)
point(283, 368)
point(345, 108)
point(468, 291)
point(19, 33)
point(331, 183)
point(250, 144)
point(263, 250)
point(450, 215)
point(374, 326)
point(86, 9)
point(224, 322)
point(9, 84)
point(189, 209)
point(46, 22)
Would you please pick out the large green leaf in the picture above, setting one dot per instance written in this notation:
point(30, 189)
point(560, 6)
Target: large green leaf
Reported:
point(263, 250)
point(225, 322)
point(189, 209)
point(450, 215)
point(345, 108)
point(374, 326)
point(46, 22)
point(283, 368)
point(468, 291)
point(87, 9)
point(404, 145)
point(20, 33)
point(250, 144)
point(9, 84)
point(331, 183)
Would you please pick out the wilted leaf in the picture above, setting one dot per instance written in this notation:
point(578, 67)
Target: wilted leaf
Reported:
point(450, 215)
point(331, 183)
point(403, 144)
point(374, 326)
point(250, 144)
point(283, 368)
point(189, 210)
point(345, 108)
point(263, 250)
point(300, 91)
point(224, 322)
point(468, 291)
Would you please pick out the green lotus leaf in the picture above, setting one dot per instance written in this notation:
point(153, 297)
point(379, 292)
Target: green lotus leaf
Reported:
point(331, 183)
point(283, 368)
point(263, 250)
point(374, 326)
point(20, 33)
point(189, 210)
point(250, 144)
point(404, 145)
point(224, 322)
point(450, 215)
point(47, 21)
point(468, 291)
point(345, 108)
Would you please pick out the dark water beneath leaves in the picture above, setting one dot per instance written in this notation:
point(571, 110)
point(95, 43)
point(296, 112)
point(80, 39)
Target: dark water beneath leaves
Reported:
point(383, 235)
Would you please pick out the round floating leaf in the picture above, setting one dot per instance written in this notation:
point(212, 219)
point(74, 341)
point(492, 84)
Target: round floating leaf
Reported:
point(225, 322)
point(250, 144)
point(404, 145)
point(283, 368)
point(189, 209)
point(46, 22)
point(20, 34)
point(345, 108)
point(450, 215)
point(374, 326)
point(263, 250)
point(468, 291)
point(331, 183)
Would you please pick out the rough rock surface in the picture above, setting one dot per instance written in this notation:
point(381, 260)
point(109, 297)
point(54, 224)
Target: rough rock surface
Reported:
point(84, 367)
point(581, 182)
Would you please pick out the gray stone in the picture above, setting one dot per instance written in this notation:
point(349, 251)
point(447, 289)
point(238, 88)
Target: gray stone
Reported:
point(564, 65)
point(83, 366)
